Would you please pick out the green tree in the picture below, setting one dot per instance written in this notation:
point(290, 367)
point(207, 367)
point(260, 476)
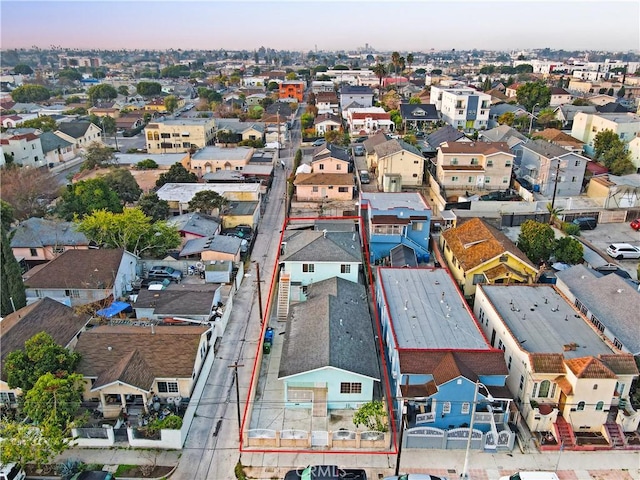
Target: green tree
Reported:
point(54, 398)
point(46, 123)
point(604, 141)
point(532, 93)
point(22, 69)
point(123, 90)
point(170, 103)
point(106, 123)
point(273, 86)
point(486, 85)
point(103, 91)
point(28, 190)
point(132, 230)
point(176, 174)
point(411, 139)
point(87, 196)
point(7, 215)
point(306, 120)
point(568, 250)
point(546, 117)
point(536, 240)
point(24, 443)
point(153, 207)
point(621, 92)
point(98, 155)
point(395, 60)
point(206, 201)
point(146, 164)
point(148, 89)
point(30, 93)
point(41, 355)
point(415, 101)
point(410, 60)
point(12, 292)
point(581, 102)
point(372, 415)
point(507, 118)
point(121, 181)
point(69, 75)
point(622, 165)
point(380, 71)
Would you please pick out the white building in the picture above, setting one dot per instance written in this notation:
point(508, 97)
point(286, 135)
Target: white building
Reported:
point(463, 108)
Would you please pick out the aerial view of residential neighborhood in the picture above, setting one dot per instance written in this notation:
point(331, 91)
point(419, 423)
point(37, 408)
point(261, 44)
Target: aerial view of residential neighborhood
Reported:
point(320, 240)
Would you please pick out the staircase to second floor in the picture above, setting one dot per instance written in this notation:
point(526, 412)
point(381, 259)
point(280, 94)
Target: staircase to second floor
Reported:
point(283, 296)
point(564, 433)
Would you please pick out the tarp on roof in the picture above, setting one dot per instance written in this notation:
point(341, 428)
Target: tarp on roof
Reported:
point(114, 309)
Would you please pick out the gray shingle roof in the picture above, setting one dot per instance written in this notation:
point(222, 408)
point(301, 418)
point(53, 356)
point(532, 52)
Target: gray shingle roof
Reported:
point(50, 142)
point(444, 134)
point(74, 129)
point(332, 328)
point(195, 223)
point(546, 149)
point(612, 300)
point(308, 245)
point(177, 301)
point(393, 146)
point(217, 243)
point(423, 111)
point(38, 232)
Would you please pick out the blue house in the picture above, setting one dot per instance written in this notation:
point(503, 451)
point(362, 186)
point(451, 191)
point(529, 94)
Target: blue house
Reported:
point(329, 358)
point(436, 352)
point(393, 219)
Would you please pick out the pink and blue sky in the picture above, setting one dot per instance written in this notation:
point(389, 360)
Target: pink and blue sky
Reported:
point(329, 25)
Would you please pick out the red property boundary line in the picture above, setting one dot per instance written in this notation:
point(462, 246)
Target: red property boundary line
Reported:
point(258, 357)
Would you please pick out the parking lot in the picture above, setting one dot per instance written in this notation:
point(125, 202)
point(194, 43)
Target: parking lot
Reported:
point(607, 233)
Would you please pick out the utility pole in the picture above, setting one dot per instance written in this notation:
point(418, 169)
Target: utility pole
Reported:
point(259, 292)
point(235, 377)
point(555, 185)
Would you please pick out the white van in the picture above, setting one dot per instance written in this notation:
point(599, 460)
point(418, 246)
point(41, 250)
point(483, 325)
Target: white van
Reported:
point(531, 476)
point(11, 471)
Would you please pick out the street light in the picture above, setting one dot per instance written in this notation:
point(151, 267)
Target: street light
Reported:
point(465, 469)
point(533, 109)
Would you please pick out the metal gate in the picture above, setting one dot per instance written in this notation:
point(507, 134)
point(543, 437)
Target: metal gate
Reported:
point(319, 438)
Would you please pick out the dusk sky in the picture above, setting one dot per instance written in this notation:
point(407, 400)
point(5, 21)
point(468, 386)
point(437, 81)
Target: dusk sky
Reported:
point(327, 25)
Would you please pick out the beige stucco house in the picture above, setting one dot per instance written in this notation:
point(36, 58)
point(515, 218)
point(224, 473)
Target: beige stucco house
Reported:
point(324, 186)
point(179, 135)
point(396, 160)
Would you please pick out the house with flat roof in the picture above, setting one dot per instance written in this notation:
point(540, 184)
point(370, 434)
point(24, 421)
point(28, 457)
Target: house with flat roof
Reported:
point(394, 219)
point(436, 352)
point(567, 378)
point(613, 191)
point(587, 125)
point(180, 194)
point(215, 159)
point(610, 304)
point(476, 253)
point(179, 135)
point(329, 358)
point(363, 95)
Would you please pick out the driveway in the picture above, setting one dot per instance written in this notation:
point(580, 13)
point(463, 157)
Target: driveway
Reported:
point(607, 233)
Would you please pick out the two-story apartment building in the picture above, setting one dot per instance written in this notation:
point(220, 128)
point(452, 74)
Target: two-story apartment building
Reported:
point(587, 125)
point(370, 120)
point(179, 135)
point(398, 164)
point(329, 178)
point(215, 159)
point(80, 133)
point(24, 148)
point(361, 95)
point(548, 168)
point(394, 219)
point(327, 102)
point(463, 108)
point(566, 378)
point(474, 165)
point(291, 91)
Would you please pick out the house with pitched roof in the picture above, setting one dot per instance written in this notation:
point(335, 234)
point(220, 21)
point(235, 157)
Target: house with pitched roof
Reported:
point(24, 148)
point(369, 147)
point(360, 94)
point(329, 178)
point(566, 113)
point(395, 219)
point(61, 322)
point(215, 247)
point(327, 122)
point(503, 133)
point(559, 96)
point(369, 120)
point(566, 377)
point(194, 302)
point(562, 139)
point(548, 168)
point(195, 225)
point(39, 240)
point(436, 352)
point(79, 277)
point(398, 165)
point(80, 133)
point(56, 150)
point(329, 356)
point(478, 253)
point(330, 158)
point(327, 102)
point(497, 110)
point(418, 117)
point(127, 365)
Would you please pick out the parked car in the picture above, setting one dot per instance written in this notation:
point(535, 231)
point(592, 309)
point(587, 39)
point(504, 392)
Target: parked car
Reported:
point(620, 251)
point(364, 176)
point(586, 223)
point(360, 139)
point(326, 472)
point(318, 142)
point(160, 272)
point(635, 224)
point(11, 471)
point(358, 150)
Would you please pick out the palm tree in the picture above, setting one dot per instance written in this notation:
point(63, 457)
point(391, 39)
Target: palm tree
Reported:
point(395, 59)
point(380, 72)
point(410, 62)
point(555, 213)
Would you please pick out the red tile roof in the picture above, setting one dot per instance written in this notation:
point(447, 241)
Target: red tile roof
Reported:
point(589, 367)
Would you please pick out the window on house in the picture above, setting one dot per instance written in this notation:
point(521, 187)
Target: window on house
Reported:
point(595, 386)
point(308, 267)
point(314, 189)
point(617, 343)
point(175, 134)
point(599, 406)
point(338, 167)
point(487, 179)
point(167, 387)
point(72, 293)
point(504, 258)
point(321, 166)
point(7, 397)
point(478, 278)
point(33, 252)
point(509, 363)
point(350, 387)
point(471, 179)
point(345, 268)
point(454, 179)
point(165, 135)
point(580, 406)
point(416, 162)
point(343, 189)
point(186, 144)
point(598, 324)
point(474, 161)
point(454, 161)
point(619, 388)
point(544, 389)
point(505, 179)
point(521, 382)
point(534, 390)
point(489, 163)
point(446, 407)
point(500, 344)
point(417, 226)
point(577, 164)
point(507, 163)
point(465, 408)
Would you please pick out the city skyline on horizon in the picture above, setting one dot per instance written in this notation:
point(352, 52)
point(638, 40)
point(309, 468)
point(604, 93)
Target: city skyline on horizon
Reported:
point(481, 25)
